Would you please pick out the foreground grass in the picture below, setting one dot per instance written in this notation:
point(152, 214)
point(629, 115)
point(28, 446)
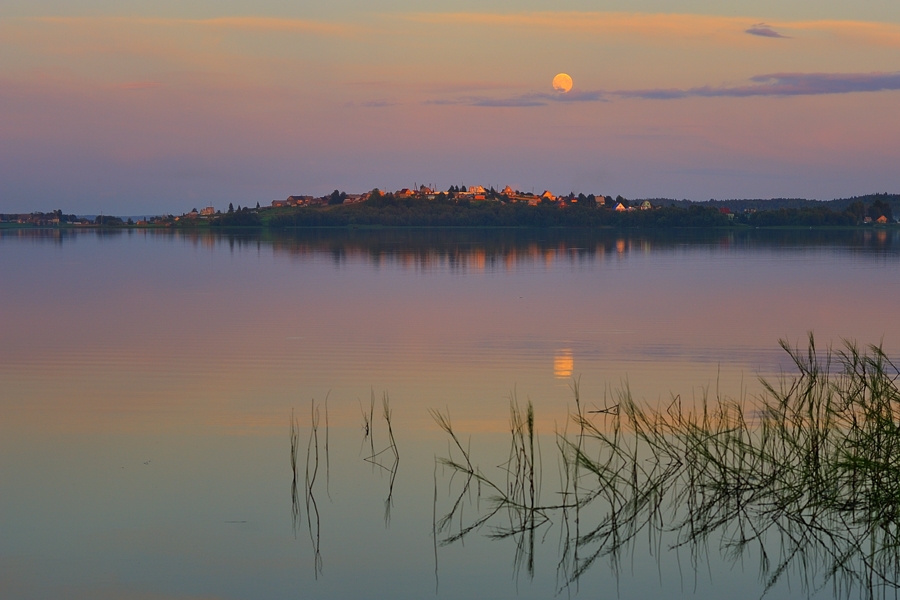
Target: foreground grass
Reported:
point(806, 478)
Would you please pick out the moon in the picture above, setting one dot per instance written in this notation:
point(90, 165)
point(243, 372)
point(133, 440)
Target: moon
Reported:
point(562, 83)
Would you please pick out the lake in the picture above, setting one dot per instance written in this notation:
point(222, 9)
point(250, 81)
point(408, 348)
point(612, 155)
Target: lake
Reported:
point(150, 383)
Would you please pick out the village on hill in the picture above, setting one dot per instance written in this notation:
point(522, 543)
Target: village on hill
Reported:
point(478, 205)
point(476, 193)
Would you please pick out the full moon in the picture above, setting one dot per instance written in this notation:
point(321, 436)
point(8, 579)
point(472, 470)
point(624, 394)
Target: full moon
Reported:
point(562, 83)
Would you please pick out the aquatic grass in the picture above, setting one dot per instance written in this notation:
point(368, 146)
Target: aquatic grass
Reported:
point(295, 494)
point(376, 458)
point(309, 480)
point(806, 477)
point(312, 508)
point(517, 499)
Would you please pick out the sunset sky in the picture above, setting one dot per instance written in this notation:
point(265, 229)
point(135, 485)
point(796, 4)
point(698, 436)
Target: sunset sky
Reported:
point(131, 107)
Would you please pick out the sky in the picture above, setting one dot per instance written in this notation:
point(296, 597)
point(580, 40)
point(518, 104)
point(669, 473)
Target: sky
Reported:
point(131, 107)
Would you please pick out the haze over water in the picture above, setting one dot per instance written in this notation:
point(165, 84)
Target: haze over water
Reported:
point(147, 382)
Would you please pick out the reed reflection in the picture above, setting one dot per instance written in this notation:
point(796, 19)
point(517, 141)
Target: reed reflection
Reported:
point(386, 459)
point(313, 518)
point(805, 480)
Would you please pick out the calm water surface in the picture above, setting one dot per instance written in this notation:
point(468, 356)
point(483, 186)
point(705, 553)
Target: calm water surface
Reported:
point(147, 383)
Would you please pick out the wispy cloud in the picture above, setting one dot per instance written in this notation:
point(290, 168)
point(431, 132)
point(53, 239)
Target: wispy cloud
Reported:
point(774, 84)
point(140, 85)
point(780, 84)
point(260, 24)
point(666, 28)
point(763, 30)
point(378, 103)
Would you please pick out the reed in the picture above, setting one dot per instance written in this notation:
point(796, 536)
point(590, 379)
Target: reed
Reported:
point(806, 477)
point(295, 494)
point(312, 508)
point(378, 459)
point(309, 479)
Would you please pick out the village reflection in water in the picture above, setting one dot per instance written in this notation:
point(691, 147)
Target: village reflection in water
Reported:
point(490, 250)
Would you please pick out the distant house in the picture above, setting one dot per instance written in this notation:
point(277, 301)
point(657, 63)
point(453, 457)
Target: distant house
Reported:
point(645, 205)
point(209, 210)
point(882, 219)
point(279, 203)
point(478, 189)
point(620, 207)
point(404, 193)
point(508, 191)
point(548, 196)
point(479, 196)
point(298, 200)
point(867, 220)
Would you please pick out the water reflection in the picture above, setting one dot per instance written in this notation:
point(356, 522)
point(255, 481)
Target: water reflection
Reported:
point(488, 250)
point(386, 459)
point(313, 517)
point(805, 481)
point(563, 364)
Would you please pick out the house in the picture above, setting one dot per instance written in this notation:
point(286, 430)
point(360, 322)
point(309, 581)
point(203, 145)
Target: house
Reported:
point(645, 205)
point(404, 193)
point(209, 210)
point(548, 196)
point(882, 219)
point(508, 192)
point(620, 207)
point(298, 200)
point(279, 203)
point(478, 189)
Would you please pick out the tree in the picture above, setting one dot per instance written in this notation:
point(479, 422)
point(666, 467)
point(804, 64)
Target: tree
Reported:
point(336, 197)
point(230, 208)
point(857, 210)
point(257, 206)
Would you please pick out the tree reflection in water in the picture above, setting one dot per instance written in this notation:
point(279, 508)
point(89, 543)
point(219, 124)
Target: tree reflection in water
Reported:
point(805, 478)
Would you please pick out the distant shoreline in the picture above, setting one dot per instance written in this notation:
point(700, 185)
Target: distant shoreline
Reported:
point(378, 210)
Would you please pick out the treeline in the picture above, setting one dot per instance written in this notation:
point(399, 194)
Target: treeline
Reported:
point(242, 217)
point(397, 212)
point(856, 213)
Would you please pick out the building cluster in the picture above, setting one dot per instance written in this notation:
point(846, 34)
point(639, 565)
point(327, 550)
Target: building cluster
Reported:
point(476, 193)
point(44, 219)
